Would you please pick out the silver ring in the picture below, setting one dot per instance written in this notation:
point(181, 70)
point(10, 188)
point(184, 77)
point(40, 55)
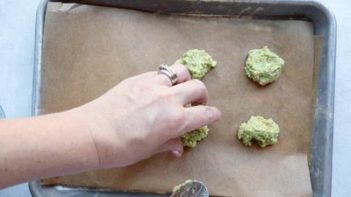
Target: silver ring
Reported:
point(169, 72)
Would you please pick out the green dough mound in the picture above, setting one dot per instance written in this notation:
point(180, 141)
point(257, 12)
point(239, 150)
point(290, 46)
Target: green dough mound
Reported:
point(198, 62)
point(264, 131)
point(263, 66)
point(191, 138)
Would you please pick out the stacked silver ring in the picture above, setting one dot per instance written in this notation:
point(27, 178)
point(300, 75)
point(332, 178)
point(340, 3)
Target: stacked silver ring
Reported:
point(169, 72)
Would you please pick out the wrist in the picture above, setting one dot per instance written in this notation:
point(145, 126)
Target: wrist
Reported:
point(78, 129)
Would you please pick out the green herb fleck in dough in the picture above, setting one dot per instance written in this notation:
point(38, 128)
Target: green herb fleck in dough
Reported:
point(263, 66)
point(264, 131)
point(198, 62)
point(191, 138)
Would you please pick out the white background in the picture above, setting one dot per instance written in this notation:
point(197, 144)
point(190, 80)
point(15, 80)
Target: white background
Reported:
point(17, 27)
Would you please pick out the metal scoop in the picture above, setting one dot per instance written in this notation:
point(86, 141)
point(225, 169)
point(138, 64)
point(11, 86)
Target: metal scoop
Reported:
point(191, 189)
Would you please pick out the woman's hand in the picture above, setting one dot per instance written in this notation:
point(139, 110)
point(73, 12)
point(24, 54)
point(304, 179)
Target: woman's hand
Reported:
point(139, 117)
point(145, 115)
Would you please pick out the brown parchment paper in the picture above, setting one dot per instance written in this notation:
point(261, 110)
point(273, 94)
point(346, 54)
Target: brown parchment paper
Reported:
point(88, 50)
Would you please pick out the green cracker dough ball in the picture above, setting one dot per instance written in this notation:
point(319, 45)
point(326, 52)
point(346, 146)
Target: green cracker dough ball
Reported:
point(264, 131)
point(198, 62)
point(191, 138)
point(263, 66)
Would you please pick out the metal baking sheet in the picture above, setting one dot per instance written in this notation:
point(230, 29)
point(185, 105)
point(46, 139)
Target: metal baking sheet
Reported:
point(324, 25)
point(2, 113)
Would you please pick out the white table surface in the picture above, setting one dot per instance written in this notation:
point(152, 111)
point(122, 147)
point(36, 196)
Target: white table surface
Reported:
point(17, 27)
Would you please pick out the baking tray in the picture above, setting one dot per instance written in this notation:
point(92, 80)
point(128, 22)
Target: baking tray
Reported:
point(2, 113)
point(324, 26)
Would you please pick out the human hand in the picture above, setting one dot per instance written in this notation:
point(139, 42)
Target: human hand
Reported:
point(145, 115)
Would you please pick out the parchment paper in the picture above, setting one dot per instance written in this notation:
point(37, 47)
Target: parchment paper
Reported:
point(88, 50)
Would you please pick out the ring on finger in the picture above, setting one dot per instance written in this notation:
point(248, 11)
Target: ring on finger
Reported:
point(169, 72)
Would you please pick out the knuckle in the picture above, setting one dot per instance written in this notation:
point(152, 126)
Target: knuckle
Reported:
point(201, 87)
point(197, 81)
point(200, 84)
point(165, 95)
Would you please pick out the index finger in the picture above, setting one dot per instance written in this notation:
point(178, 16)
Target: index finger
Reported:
point(199, 116)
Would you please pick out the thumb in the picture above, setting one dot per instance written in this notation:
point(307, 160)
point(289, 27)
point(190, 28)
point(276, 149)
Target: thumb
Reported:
point(175, 146)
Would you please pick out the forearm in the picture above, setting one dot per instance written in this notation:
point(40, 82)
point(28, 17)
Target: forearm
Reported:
point(44, 146)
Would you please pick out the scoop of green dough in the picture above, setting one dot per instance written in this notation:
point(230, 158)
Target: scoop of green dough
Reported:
point(263, 66)
point(264, 131)
point(191, 138)
point(198, 62)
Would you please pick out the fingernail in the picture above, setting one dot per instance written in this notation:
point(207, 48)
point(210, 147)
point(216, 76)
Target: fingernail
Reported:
point(213, 113)
point(219, 113)
point(176, 153)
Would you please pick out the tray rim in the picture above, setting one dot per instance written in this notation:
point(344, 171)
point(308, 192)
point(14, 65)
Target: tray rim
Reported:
point(324, 107)
point(2, 113)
